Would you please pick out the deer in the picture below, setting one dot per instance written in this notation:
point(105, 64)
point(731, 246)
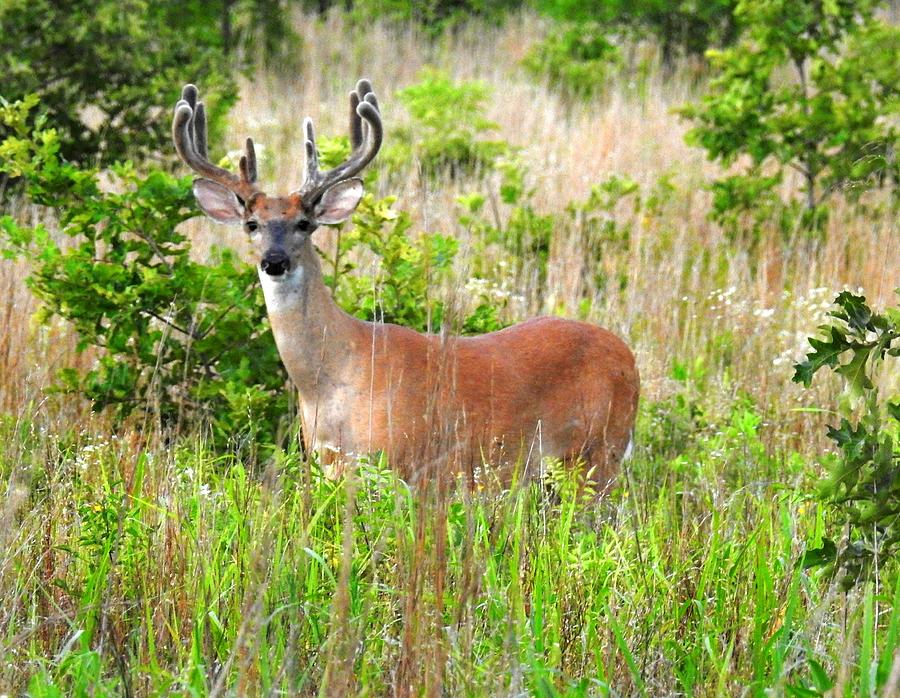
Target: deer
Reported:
point(546, 387)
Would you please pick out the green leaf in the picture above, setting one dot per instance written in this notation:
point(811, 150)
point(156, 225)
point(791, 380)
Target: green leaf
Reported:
point(826, 352)
point(817, 557)
point(855, 311)
point(854, 372)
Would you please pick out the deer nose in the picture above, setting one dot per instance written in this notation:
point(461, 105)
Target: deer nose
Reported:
point(275, 263)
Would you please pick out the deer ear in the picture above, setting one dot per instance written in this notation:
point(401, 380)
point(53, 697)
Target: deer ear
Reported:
point(339, 201)
point(217, 202)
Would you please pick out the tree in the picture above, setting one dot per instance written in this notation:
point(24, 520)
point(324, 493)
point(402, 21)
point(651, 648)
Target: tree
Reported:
point(813, 86)
point(102, 69)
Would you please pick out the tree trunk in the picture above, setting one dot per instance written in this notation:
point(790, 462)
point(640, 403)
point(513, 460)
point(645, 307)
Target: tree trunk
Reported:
point(226, 26)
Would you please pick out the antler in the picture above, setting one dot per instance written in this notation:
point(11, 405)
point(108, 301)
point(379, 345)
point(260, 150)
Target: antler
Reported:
point(365, 139)
point(189, 134)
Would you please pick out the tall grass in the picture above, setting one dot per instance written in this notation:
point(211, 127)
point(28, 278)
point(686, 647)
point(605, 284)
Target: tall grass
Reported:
point(134, 565)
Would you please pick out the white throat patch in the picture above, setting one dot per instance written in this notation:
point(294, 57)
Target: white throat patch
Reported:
point(282, 292)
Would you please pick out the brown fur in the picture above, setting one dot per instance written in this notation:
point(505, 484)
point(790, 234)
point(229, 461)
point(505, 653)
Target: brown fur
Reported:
point(545, 387)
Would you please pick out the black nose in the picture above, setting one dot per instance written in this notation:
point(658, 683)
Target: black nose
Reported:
point(275, 263)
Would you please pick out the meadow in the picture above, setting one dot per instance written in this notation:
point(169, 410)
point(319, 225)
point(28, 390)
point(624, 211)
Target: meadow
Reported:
point(135, 562)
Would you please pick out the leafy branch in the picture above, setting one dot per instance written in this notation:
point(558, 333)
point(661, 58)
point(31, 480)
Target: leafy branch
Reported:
point(862, 487)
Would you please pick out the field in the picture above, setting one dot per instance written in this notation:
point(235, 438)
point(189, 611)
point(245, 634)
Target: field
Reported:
point(132, 563)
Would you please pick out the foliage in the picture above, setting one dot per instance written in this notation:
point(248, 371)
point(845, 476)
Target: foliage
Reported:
point(407, 268)
point(260, 32)
point(102, 69)
point(576, 58)
point(448, 127)
point(186, 339)
point(522, 233)
point(863, 484)
point(812, 86)
point(682, 27)
point(601, 232)
point(434, 16)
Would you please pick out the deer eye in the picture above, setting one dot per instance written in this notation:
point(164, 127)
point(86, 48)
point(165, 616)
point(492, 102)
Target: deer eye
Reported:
point(302, 225)
point(252, 226)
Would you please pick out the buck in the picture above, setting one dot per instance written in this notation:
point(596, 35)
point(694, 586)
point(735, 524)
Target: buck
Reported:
point(544, 387)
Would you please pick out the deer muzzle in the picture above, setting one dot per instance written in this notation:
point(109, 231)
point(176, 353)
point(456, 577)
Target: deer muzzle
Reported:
point(275, 263)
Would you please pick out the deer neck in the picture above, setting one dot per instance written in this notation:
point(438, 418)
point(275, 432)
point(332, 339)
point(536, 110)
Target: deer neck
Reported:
point(312, 333)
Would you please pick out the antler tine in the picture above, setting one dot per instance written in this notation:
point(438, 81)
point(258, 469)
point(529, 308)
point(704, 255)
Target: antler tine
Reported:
point(189, 135)
point(366, 135)
point(356, 127)
point(198, 125)
point(312, 153)
point(248, 163)
point(364, 91)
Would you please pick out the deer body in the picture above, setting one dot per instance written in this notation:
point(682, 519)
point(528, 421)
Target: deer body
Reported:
point(544, 387)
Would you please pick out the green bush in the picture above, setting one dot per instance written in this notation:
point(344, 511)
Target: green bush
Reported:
point(601, 232)
point(812, 86)
point(577, 58)
point(184, 340)
point(862, 488)
point(408, 269)
point(449, 128)
point(102, 68)
point(402, 289)
point(522, 233)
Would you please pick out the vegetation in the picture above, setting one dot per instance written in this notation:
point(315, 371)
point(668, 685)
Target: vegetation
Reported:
point(102, 69)
point(833, 120)
point(181, 340)
point(176, 539)
point(448, 127)
point(576, 57)
point(681, 28)
point(864, 481)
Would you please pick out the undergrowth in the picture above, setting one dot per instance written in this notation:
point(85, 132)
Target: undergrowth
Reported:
point(142, 569)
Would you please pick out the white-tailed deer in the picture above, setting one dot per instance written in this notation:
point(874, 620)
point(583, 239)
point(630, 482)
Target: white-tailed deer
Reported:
point(545, 387)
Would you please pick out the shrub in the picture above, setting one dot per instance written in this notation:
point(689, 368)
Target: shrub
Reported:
point(523, 234)
point(406, 268)
point(601, 232)
point(830, 119)
point(862, 489)
point(448, 127)
point(577, 58)
point(182, 339)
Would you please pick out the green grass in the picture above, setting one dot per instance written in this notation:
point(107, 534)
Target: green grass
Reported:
point(143, 570)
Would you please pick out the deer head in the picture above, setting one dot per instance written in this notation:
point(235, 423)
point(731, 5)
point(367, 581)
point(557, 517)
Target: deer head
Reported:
point(279, 226)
